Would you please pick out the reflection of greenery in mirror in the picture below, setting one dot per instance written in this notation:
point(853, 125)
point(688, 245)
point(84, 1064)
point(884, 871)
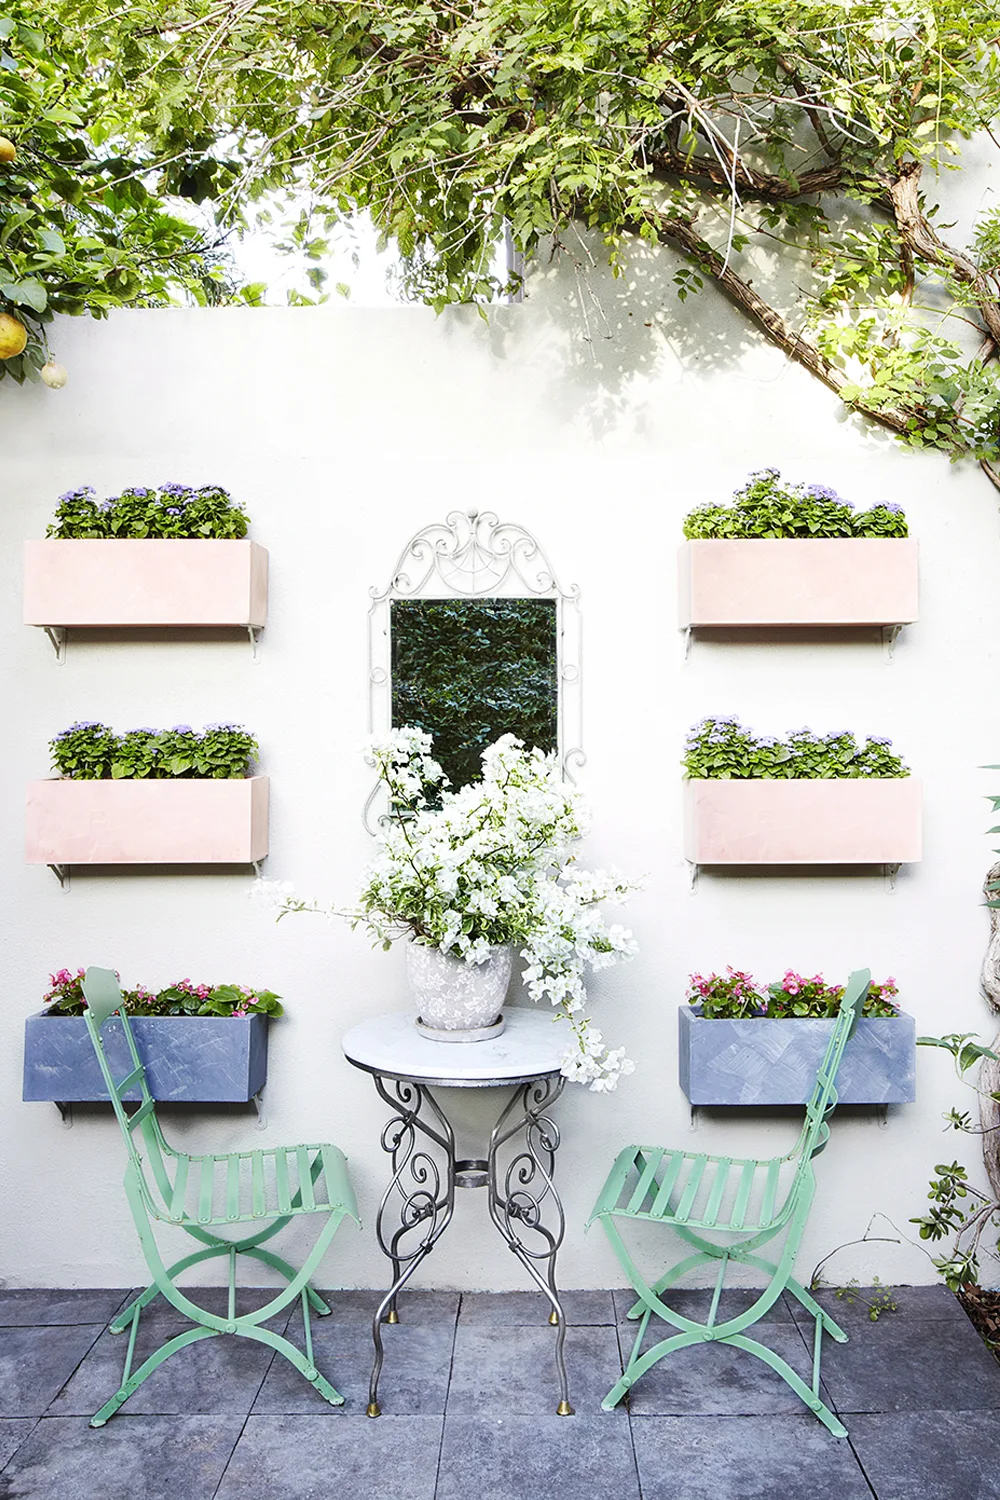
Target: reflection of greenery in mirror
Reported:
point(469, 670)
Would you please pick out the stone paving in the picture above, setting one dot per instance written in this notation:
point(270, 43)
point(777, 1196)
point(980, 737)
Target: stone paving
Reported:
point(469, 1396)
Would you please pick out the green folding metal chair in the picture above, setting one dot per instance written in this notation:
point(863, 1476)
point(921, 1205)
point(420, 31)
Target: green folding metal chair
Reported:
point(200, 1194)
point(725, 1209)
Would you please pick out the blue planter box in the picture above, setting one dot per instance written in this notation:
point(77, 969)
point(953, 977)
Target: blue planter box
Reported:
point(766, 1061)
point(188, 1059)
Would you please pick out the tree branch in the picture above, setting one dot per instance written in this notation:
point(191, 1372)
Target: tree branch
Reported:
point(758, 184)
point(682, 233)
point(923, 239)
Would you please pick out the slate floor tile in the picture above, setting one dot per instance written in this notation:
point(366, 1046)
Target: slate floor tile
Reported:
point(13, 1431)
point(718, 1378)
point(516, 1457)
point(695, 1303)
point(357, 1308)
point(31, 1308)
point(158, 1458)
point(907, 1364)
point(938, 1455)
point(512, 1309)
point(513, 1370)
point(745, 1458)
point(414, 1379)
point(851, 1311)
point(312, 1458)
point(220, 1376)
point(35, 1364)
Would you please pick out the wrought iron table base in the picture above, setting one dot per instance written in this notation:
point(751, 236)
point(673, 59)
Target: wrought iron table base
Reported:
point(418, 1204)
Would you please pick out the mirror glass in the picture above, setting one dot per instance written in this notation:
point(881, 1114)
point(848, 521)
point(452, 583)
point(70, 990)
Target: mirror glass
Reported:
point(470, 670)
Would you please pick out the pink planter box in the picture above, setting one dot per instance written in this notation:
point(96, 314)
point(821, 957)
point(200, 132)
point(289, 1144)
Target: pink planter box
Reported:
point(840, 581)
point(176, 822)
point(133, 583)
point(839, 822)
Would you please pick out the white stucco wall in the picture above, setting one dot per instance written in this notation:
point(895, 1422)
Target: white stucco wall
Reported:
point(597, 427)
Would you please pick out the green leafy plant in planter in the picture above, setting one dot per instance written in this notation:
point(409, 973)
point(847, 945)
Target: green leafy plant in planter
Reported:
point(89, 751)
point(169, 511)
point(722, 748)
point(768, 507)
point(736, 995)
point(182, 998)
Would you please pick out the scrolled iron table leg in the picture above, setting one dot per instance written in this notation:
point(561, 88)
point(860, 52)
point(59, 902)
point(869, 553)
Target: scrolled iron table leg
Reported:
point(417, 1205)
point(523, 1194)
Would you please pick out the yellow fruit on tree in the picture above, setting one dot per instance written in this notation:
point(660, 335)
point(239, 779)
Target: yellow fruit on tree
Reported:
point(8, 151)
point(13, 336)
point(54, 375)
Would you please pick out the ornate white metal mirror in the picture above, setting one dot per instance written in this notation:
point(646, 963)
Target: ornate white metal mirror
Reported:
point(474, 637)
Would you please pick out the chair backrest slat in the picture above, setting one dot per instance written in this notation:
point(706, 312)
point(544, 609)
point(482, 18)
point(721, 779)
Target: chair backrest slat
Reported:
point(103, 995)
point(823, 1099)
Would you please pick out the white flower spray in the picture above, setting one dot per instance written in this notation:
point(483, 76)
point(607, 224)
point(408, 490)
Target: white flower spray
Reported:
point(493, 864)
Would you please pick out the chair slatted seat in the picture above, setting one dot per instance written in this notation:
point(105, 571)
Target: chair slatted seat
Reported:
point(724, 1209)
point(202, 1193)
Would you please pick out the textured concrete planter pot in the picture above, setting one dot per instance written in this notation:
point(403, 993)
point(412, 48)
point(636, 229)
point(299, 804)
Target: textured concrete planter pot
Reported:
point(136, 583)
point(188, 1059)
point(764, 1061)
point(154, 822)
point(773, 581)
point(837, 822)
point(457, 1001)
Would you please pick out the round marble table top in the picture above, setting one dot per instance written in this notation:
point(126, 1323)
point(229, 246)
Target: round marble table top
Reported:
point(530, 1046)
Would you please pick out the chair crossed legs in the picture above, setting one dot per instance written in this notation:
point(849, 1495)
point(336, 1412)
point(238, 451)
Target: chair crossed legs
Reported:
point(200, 1194)
point(725, 1209)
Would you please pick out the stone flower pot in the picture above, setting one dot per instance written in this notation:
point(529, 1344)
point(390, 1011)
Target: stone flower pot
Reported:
point(766, 1061)
point(147, 822)
point(770, 581)
point(188, 1059)
point(838, 821)
point(456, 1001)
point(144, 583)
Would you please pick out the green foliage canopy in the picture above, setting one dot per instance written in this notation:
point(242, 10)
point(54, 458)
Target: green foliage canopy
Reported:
point(86, 221)
point(800, 128)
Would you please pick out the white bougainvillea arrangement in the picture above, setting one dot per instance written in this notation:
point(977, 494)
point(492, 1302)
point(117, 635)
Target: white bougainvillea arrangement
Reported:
point(492, 864)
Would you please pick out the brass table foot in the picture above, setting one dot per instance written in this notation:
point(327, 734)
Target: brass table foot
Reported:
point(374, 1410)
point(565, 1410)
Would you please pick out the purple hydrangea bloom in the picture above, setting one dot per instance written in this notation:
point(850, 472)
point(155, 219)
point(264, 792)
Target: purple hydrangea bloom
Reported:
point(78, 494)
point(105, 504)
point(173, 489)
point(181, 729)
point(174, 510)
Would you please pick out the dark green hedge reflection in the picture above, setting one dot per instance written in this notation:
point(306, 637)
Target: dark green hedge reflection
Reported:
point(470, 670)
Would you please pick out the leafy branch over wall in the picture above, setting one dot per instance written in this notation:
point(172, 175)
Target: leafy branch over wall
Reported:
point(800, 129)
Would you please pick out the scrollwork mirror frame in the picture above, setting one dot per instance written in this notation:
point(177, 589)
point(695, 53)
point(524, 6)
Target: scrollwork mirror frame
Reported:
point(474, 555)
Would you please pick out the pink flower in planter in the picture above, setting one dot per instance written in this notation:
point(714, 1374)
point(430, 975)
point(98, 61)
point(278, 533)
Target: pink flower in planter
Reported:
point(239, 1012)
